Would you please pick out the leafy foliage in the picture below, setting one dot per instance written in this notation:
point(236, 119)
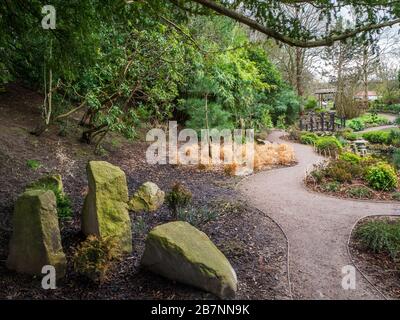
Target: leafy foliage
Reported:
point(382, 176)
point(377, 137)
point(329, 145)
point(309, 138)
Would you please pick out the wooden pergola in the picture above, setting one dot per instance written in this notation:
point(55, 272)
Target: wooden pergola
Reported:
point(321, 93)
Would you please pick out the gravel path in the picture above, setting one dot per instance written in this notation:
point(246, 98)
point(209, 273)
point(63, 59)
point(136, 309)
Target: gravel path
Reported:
point(391, 126)
point(318, 227)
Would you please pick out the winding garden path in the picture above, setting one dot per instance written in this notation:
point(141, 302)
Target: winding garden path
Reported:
point(318, 226)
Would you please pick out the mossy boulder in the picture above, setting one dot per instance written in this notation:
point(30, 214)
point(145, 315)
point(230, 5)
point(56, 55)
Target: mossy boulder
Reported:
point(149, 197)
point(49, 182)
point(105, 212)
point(181, 252)
point(36, 239)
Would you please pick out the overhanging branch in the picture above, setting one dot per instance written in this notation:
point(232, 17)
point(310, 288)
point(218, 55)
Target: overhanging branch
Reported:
point(327, 41)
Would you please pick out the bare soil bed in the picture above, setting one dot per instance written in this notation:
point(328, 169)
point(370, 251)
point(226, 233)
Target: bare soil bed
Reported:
point(380, 268)
point(252, 242)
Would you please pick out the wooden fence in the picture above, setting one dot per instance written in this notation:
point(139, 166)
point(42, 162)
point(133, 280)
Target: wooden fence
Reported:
point(324, 121)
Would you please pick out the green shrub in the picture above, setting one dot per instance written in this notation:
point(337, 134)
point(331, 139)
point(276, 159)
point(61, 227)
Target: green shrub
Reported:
point(396, 196)
point(396, 158)
point(367, 120)
point(64, 208)
point(382, 177)
point(356, 124)
point(351, 136)
point(394, 138)
point(380, 236)
point(179, 198)
point(266, 120)
point(397, 121)
point(33, 164)
point(94, 257)
point(318, 175)
point(350, 157)
point(377, 137)
point(329, 144)
point(281, 122)
point(359, 192)
point(332, 186)
point(311, 103)
point(343, 171)
point(309, 138)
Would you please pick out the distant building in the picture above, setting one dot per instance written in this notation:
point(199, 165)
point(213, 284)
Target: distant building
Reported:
point(372, 96)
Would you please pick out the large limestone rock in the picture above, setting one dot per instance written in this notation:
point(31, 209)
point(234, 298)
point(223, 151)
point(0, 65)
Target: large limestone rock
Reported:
point(36, 239)
point(105, 212)
point(149, 197)
point(180, 252)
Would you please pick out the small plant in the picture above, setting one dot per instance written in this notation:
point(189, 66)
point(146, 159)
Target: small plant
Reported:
point(318, 175)
point(311, 103)
point(356, 124)
point(94, 258)
point(33, 164)
point(64, 207)
point(333, 186)
point(394, 138)
point(382, 177)
point(308, 138)
point(350, 157)
point(281, 122)
point(396, 196)
point(351, 136)
point(330, 145)
point(381, 236)
point(231, 169)
point(359, 192)
point(140, 226)
point(179, 198)
point(396, 158)
point(343, 171)
point(196, 216)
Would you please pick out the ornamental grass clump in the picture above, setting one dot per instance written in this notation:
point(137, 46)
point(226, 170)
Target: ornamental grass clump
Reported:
point(381, 236)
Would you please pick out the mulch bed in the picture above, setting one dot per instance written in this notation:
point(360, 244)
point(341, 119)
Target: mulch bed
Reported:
point(380, 268)
point(254, 245)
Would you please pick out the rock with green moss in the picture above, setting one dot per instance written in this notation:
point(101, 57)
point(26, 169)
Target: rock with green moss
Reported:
point(105, 212)
point(49, 182)
point(181, 252)
point(36, 239)
point(149, 197)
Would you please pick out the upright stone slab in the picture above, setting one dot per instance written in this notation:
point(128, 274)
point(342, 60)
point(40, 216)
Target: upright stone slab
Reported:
point(105, 213)
point(36, 239)
point(181, 252)
point(149, 197)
